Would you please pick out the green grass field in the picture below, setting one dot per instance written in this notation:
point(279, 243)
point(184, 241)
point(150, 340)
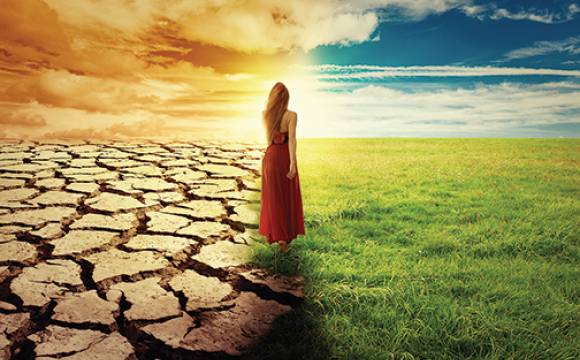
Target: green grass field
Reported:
point(434, 249)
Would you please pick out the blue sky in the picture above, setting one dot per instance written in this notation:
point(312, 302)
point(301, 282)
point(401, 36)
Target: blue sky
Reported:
point(509, 70)
point(456, 38)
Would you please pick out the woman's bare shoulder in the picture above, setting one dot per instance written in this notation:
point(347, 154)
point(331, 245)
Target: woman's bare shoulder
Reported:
point(291, 114)
point(288, 118)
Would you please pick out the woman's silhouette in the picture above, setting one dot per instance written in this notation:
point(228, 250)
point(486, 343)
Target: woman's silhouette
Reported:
point(281, 213)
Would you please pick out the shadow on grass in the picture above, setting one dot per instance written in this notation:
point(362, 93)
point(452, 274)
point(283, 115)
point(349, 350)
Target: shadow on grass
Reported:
point(294, 335)
point(297, 334)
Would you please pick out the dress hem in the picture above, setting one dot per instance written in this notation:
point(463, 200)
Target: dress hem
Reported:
point(288, 241)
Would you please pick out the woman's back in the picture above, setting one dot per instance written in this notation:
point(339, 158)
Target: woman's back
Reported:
point(284, 125)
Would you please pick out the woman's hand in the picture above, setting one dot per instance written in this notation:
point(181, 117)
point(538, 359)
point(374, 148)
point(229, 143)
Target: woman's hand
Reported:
point(292, 171)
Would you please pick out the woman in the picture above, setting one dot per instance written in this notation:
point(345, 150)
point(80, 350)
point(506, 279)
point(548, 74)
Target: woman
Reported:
point(281, 214)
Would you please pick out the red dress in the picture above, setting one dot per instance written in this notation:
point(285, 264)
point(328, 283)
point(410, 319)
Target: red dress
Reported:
point(281, 213)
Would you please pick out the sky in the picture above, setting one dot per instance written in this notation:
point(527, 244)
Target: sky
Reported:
point(184, 69)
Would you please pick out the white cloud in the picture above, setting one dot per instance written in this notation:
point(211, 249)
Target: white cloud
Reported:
point(360, 72)
point(487, 110)
point(408, 10)
point(542, 16)
point(346, 101)
point(571, 45)
point(491, 11)
point(474, 10)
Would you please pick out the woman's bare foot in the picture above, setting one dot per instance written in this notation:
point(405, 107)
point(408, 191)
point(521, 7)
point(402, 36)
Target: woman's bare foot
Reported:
point(283, 246)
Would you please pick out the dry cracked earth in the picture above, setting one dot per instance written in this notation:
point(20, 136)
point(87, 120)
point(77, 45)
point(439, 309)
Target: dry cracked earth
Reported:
point(132, 250)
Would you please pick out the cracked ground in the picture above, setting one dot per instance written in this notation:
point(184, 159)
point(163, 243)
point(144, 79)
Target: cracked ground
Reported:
point(132, 250)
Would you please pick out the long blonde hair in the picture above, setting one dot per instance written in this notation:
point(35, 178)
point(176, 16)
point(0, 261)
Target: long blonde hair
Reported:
point(275, 108)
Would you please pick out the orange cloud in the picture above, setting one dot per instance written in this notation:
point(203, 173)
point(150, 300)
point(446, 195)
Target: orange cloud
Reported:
point(31, 23)
point(252, 26)
point(144, 128)
point(63, 89)
point(210, 62)
point(31, 37)
point(23, 119)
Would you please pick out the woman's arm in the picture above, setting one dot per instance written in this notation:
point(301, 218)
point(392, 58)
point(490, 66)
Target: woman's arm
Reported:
point(292, 143)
